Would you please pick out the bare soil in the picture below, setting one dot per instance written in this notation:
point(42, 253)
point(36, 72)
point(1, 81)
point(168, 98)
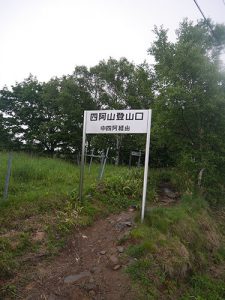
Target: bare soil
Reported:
point(92, 266)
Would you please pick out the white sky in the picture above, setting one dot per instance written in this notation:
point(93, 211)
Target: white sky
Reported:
point(50, 37)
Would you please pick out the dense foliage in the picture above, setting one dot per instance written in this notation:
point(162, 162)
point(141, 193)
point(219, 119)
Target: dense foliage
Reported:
point(185, 88)
point(190, 107)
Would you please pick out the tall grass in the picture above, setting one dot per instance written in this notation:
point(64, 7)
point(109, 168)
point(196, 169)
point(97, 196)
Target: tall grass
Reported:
point(170, 248)
point(43, 197)
point(175, 246)
point(35, 184)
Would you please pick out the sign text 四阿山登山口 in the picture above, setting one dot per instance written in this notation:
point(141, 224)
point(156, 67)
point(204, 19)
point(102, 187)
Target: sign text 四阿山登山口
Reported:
point(117, 121)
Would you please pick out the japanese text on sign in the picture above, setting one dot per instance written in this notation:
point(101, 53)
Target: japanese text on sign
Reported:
point(116, 116)
point(117, 121)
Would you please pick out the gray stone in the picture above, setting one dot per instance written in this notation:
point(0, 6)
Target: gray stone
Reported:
point(103, 252)
point(116, 267)
point(119, 226)
point(169, 193)
point(132, 208)
point(129, 224)
point(76, 277)
point(95, 270)
point(120, 249)
point(114, 260)
point(90, 286)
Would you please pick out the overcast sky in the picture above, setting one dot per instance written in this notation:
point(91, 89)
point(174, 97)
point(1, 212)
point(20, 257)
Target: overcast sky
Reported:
point(50, 37)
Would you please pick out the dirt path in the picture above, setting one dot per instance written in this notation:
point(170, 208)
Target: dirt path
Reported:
point(91, 267)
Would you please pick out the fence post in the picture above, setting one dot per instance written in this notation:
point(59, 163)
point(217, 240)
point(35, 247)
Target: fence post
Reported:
point(90, 163)
point(104, 163)
point(101, 163)
point(139, 159)
point(5, 195)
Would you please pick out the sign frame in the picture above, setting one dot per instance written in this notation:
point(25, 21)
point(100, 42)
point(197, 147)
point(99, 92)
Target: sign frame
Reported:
point(146, 131)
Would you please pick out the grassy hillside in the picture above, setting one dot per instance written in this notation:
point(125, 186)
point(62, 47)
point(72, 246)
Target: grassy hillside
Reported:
point(42, 206)
point(178, 253)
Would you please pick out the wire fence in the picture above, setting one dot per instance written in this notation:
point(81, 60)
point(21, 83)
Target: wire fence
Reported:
point(97, 157)
point(5, 174)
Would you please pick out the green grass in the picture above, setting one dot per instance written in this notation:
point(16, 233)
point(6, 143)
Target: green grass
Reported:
point(173, 250)
point(176, 245)
point(203, 287)
point(43, 197)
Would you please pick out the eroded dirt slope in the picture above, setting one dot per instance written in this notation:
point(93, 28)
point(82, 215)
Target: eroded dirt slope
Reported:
point(91, 267)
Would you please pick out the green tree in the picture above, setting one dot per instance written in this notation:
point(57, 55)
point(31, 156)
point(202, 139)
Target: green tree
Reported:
point(190, 107)
point(75, 97)
point(119, 84)
point(47, 117)
point(6, 141)
point(21, 109)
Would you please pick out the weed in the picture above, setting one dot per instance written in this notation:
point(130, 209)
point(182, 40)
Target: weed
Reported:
point(9, 290)
point(180, 241)
point(24, 243)
point(139, 271)
point(204, 287)
point(119, 190)
point(7, 263)
point(219, 256)
point(139, 250)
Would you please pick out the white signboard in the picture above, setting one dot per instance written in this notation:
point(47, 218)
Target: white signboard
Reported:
point(117, 121)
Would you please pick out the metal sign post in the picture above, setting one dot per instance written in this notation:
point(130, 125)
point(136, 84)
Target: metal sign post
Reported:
point(82, 157)
point(147, 148)
point(118, 122)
